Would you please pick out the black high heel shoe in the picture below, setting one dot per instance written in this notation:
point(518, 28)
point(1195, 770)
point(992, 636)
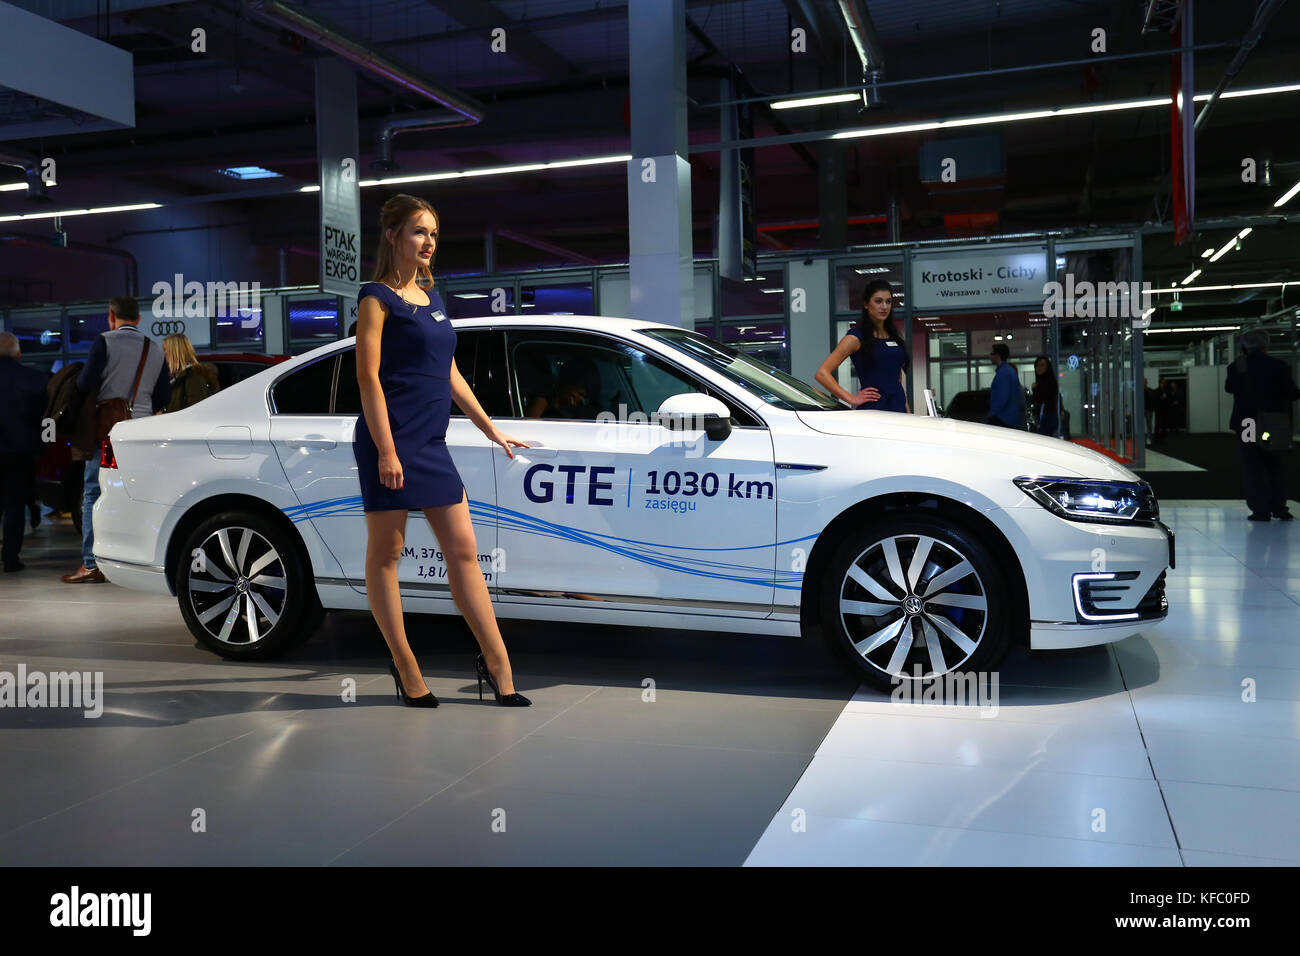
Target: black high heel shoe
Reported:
point(507, 700)
point(428, 700)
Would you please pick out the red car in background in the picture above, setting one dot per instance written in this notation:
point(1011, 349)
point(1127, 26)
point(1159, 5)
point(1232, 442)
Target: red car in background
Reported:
point(59, 478)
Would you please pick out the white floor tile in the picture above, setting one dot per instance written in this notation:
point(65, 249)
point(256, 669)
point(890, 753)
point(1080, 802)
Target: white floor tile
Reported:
point(834, 841)
point(1242, 820)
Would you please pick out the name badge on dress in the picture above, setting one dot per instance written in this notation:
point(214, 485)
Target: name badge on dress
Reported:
point(891, 343)
point(438, 316)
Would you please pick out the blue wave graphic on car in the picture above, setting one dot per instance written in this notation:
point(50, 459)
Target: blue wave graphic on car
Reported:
point(653, 553)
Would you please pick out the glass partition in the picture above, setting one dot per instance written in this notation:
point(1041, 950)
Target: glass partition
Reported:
point(38, 330)
point(83, 326)
point(474, 301)
point(313, 321)
point(557, 298)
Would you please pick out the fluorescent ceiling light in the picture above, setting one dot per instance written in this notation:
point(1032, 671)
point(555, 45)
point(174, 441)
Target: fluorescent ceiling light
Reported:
point(1220, 288)
point(1057, 111)
point(771, 290)
point(1254, 91)
point(1195, 328)
point(1192, 275)
point(1207, 253)
point(1224, 249)
point(1288, 195)
point(82, 212)
point(470, 295)
point(487, 171)
point(871, 270)
point(12, 187)
point(248, 172)
point(815, 101)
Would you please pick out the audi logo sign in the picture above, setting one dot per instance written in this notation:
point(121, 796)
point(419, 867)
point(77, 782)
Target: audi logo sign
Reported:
point(169, 328)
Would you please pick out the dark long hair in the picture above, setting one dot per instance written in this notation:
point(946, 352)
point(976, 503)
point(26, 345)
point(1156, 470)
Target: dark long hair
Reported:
point(1048, 387)
point(865, 325)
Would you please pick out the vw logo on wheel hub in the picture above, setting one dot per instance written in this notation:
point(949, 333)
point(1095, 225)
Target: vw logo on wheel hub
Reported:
point(912, 605)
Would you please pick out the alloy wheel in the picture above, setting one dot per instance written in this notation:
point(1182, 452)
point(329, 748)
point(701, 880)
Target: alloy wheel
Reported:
point(912, 599)
point(237, 585)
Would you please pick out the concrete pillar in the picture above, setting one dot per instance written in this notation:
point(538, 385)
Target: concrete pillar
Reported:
point(832, 196)
point(808, 302)
point(662, 285)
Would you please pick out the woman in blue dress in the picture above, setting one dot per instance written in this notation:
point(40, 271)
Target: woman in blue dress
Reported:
point(408, 378)
point(879, 356)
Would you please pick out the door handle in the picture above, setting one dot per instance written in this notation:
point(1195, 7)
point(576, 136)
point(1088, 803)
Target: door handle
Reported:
point(537, 451)
point(310, 441)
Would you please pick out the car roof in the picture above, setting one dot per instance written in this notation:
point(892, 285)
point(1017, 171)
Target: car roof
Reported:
point(577, 322)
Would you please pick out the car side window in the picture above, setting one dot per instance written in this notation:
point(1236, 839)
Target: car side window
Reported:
point(307, 390)
point(492, 377)
point(466, 347)
point(347, 394)
point(576, 376)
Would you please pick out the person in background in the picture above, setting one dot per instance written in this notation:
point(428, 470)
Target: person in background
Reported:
point(1262, 391)
point(1047, 393)
point(1150, 398)
point(1006, 397)
point(878, 352)
point(22, 396)
point(191, 380)
point(118, 358)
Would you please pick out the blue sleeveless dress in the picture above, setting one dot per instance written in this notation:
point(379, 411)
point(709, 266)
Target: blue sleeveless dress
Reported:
point(415, 373)
point(883, 375)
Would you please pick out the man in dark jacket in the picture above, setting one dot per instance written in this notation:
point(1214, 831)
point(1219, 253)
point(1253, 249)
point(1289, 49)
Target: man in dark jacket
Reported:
point(1007, 396)
point(110, 371)
point(22, 398)
point(1260, 385)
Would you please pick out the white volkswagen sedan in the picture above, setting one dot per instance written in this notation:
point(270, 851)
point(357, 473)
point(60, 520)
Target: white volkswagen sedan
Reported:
point(672, 482)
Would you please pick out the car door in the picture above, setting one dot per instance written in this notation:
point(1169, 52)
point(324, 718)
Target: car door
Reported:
point(313, 423)
point(616, 507)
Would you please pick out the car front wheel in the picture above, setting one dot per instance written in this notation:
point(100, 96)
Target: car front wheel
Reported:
point(914, 596)
point(245, 589)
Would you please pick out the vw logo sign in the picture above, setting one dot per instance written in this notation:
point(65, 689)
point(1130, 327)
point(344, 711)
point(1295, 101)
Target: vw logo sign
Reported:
point(1073, 361)
point(169, 328)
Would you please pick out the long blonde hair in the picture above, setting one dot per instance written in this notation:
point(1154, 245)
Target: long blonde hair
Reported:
point(179, 353)
point(395, 215)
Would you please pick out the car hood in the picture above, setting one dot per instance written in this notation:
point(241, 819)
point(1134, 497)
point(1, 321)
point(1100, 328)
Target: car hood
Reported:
point(1052, 456)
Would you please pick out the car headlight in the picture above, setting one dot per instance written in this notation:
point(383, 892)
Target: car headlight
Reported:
point(1087, 499)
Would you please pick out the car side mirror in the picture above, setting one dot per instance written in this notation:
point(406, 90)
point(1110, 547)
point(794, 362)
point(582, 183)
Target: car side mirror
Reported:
point(696, 410)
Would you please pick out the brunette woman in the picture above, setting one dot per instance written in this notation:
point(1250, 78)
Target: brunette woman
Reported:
point(878, 353)
point(1046, 397)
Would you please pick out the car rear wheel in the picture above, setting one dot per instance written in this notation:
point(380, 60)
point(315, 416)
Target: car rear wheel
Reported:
point(245, 588)
point(914, 596)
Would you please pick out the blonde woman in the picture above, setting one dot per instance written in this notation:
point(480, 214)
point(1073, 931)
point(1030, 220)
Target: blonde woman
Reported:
point(192, 380)
point(408, 378)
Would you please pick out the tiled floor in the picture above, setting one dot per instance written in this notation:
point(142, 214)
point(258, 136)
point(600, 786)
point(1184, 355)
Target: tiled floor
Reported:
point(750, 750)
point(1150, 738)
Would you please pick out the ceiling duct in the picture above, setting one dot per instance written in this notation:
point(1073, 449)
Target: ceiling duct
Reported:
point(862, 33)
point(465, 110)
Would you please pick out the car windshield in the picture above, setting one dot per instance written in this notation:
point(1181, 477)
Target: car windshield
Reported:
point(759, 379)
